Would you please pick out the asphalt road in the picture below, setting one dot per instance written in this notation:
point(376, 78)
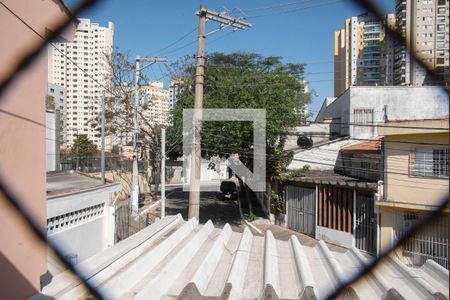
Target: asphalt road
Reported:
point(219, 211)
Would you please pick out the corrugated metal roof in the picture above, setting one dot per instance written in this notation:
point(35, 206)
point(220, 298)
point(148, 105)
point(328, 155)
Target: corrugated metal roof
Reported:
point(176, 259)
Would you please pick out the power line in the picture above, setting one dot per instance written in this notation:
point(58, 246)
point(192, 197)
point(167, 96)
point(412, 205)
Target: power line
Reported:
point(271, 157)
point(274, 6)
point(295, 10)
point(175, 42)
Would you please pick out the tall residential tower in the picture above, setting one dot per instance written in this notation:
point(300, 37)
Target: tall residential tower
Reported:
point(82, 67)
point(363, 53)
point(424, 24)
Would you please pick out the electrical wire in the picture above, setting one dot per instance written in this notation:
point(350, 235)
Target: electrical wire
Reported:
point(295, 10)
point(175, 42)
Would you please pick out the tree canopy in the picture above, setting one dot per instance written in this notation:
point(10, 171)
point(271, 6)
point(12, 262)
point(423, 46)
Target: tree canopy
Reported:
point(84, 147)
point(244, 80)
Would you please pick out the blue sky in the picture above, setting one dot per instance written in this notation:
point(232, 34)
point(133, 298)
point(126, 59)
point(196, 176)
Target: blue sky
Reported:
point(302, 35)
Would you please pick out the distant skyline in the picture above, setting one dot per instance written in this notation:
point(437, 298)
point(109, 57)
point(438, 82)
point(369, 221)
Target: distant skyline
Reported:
point(298, 31)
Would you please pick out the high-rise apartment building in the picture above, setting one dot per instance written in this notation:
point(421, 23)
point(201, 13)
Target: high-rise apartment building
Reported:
point(81, 67)
point(424, 24)
point(157, 97)
point(363, 53)
point(174, 89)
point(57, 102)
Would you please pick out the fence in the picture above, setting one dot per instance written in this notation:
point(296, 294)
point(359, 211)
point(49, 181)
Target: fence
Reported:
point(93, 164)
point(128, 222)
point(430, 242)
point(413, 233)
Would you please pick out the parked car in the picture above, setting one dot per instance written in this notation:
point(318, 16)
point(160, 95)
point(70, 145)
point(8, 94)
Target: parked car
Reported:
point(228, 191)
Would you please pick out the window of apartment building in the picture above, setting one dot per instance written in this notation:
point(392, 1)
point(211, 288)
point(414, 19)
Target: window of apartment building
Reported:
point(427, 10)
point(440, 27)
point(440, 19)
point(429, 18)
point(440, 45)
point(429, 163)
point(363, 116)
point(427, 43)
point(441, 10)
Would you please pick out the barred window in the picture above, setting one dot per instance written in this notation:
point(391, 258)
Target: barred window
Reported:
point(430, 163)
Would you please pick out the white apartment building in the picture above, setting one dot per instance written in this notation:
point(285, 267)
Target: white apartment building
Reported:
point(80, 67)
point(363, 53)
point(425, 26)
point(157, 97)
point(57, 101)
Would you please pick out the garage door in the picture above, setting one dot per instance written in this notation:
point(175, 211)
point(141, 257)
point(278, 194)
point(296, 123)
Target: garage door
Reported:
point(301, 204)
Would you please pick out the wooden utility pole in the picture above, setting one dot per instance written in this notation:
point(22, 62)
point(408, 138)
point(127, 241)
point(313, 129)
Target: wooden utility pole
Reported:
point(224, 20)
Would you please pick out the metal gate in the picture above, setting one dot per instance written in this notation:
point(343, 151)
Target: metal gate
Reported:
point(366, 227)
point(127, 224)
point(301, 206)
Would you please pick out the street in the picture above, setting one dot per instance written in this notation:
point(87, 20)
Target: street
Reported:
point(218, 211)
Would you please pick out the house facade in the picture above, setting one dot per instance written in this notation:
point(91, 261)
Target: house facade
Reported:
point(358, 109)
point(415, 183)
point(335, 208)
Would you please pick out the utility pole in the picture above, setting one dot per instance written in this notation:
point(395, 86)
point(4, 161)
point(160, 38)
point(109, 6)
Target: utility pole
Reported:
point(102, 159)
point(134, 184)
point(78, 155)
point(163, 172)
point(224, 20)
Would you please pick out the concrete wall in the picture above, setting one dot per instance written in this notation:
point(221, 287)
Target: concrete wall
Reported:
point(22, 142)
point(402, 103)
point(386, 225)
point(336, 237)
point(50, 141)
point(85, 232)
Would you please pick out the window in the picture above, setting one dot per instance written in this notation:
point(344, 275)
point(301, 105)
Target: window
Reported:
point(430, 163)
point(440, 27)
point(441, 10)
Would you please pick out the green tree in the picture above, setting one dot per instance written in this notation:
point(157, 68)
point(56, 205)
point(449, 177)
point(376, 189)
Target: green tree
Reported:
point(245, 80)
point(83, 147)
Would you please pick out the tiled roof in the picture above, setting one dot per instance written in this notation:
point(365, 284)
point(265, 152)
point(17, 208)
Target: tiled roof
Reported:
point(174, 259)
point(364, 146)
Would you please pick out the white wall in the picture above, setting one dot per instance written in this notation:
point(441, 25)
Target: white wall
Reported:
point(85, 221)
point(402, 103)
point(336, 237)
point(82, 240)
point(50, 141)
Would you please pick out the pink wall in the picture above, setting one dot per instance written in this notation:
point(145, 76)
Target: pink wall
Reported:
point(22, 143)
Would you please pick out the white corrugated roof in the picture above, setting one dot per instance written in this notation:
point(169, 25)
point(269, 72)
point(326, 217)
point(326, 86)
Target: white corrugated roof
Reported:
point(325, 155)
point(176, 259)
